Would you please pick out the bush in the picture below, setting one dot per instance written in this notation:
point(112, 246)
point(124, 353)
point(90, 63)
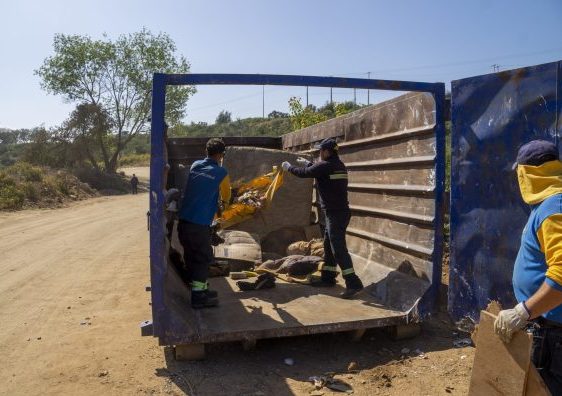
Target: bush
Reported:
point(24, 185)
point(11, 197)
point(32, 192)
point(106, 183)
point(135, 160)
point(27, 172)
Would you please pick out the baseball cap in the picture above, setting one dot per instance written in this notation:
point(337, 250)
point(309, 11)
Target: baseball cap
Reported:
point(536, 153)
point(327, 144)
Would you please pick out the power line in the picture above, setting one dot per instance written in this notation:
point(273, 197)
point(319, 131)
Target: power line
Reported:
point(458, 63)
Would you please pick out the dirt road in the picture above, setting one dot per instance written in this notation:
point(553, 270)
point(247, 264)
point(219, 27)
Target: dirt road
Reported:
point(72, 294)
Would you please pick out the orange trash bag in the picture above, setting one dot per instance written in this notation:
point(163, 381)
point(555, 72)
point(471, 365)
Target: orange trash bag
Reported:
point(251, 197)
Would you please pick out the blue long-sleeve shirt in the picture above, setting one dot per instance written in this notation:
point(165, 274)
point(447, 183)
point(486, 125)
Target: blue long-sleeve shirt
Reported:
point(201, 194)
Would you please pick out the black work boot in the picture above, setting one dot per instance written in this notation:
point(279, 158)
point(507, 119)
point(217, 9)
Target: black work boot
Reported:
point(353, 286)
point(200, 299)
point(212, 293)
point(322, 282)
point(264, 281)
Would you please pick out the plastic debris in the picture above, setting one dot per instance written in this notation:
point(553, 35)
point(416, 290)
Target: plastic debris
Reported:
point(353, 366)
point(103, 373)
point(318, 381)
point(327, 381)
point(463, 342)
point(289, 362)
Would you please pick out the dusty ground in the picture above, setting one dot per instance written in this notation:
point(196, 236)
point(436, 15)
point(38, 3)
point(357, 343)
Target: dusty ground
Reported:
point(72, 295)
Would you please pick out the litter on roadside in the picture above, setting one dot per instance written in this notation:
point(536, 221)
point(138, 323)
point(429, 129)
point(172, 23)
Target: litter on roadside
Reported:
point(328, 381)
point(463, 342)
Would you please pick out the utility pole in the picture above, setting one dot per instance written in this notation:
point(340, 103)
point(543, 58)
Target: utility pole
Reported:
point(306, 96)
point(263, 101)
point(495, 67)
point(355, 95)
point(368, 91)
point(331, 101)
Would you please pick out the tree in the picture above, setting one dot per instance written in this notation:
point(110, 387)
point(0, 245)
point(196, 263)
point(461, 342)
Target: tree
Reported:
point(277, 114)
point(87, 134)
point(302, 117)
point(224, 117)
point(117, 77)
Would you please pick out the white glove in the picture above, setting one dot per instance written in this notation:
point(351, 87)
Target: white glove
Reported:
point(511, 320)
point(302, 161)
point(286, 165)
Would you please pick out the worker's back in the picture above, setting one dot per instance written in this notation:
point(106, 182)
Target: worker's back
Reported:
point(201, 193)
point(332, 185)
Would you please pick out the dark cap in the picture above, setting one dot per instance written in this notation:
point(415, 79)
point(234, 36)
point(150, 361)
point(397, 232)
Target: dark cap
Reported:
point(536, 153)
point(327, 144)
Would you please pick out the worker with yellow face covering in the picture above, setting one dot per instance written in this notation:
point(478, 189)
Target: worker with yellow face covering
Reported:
point(537, 274)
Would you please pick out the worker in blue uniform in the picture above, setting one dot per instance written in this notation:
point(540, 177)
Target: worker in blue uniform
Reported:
point(330, 174)
point(207, 184)
point(537, 275)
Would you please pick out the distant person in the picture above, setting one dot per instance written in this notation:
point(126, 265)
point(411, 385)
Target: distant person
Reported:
point(331, 182)
point(134, 184)
point(207, 181)
point(537, 273)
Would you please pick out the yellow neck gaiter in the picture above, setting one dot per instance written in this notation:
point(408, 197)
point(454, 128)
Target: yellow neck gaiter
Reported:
point(537, 183)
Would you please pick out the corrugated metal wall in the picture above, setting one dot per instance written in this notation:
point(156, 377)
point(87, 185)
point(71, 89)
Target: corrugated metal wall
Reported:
point(391, 155)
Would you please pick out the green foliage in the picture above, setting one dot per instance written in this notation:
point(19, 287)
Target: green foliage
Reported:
point(117, 77)
point(24, 184)
point(140, 144)
point(10, 196)
point(135, 160)
point(86, 136)
point(241, 127)
point(12, 144)
point(302, 117)
point(224, 117)
point(277, 114)
point(105, 183)
point(26, 172)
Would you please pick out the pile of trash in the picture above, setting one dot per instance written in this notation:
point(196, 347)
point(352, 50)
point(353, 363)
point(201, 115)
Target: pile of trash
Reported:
point(314, 247)
point(250, 197)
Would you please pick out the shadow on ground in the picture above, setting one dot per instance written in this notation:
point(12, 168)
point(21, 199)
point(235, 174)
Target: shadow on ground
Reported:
point(228, 369)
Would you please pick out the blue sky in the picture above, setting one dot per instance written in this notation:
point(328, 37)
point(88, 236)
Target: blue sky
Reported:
point(403, 40)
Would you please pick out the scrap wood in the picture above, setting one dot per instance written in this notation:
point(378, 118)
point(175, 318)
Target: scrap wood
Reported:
point(499, 368)
point(535, 384)
point(494, 307)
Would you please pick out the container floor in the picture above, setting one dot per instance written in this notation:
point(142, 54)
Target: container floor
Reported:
point(286, 310)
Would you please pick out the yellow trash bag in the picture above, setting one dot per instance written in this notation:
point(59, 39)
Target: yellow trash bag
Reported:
point(251, 197)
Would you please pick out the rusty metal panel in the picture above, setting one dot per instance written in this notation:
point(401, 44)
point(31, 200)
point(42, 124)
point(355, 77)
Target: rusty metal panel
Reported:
point(391, 153)
point(182, 151)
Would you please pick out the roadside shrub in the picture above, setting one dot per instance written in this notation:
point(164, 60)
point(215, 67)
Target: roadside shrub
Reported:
point(135, 160)
point(32, 192)
point(105, 183)
point(27, 172)
point(49, 186)
point(11, 197)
